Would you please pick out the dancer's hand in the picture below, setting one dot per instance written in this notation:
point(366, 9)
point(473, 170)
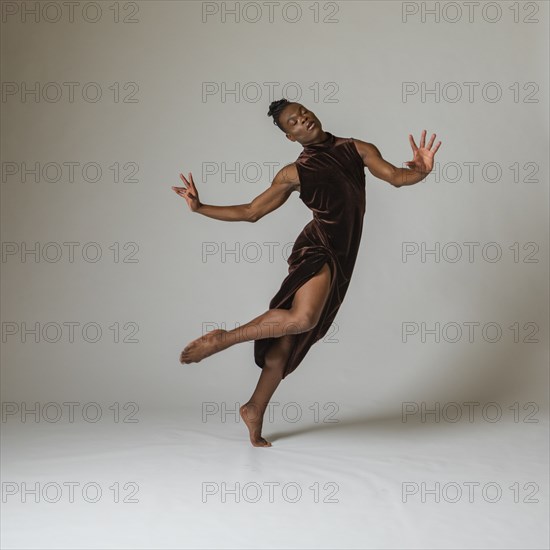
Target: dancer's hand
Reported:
point(423, 159)
point(189, 193)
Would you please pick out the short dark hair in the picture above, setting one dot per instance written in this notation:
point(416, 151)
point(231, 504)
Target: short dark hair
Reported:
point(275, 110)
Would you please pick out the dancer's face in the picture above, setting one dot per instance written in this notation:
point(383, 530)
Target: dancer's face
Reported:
point(297, 122)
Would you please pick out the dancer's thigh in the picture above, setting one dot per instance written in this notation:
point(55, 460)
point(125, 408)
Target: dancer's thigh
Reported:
point(311, 297)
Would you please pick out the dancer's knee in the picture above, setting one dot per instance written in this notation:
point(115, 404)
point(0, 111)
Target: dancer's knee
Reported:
point(277, 355)
point(274, 364)
point(303, 321)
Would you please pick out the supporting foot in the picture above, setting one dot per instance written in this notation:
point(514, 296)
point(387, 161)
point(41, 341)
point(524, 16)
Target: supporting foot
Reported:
point(253, 419)
point(204, 346)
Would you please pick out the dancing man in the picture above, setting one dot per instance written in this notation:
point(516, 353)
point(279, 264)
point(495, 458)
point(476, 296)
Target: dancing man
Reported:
point(330, 179)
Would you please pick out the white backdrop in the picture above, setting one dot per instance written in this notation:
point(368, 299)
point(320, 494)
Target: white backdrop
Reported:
point(186, 88)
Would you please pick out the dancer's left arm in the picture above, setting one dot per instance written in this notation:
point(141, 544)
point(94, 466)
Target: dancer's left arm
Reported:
point(418, 168)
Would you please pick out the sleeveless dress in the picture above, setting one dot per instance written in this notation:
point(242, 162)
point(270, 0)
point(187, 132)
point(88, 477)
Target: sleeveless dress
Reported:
point(332, 186)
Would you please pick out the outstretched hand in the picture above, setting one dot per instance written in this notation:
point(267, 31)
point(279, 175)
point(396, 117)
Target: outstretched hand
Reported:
point(189, 193)
point(423, 159)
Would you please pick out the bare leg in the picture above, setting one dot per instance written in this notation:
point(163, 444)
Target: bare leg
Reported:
point(253, 411)
point(304, 314)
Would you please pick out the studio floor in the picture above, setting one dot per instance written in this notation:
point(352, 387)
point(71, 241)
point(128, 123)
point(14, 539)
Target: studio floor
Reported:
point(178, 480)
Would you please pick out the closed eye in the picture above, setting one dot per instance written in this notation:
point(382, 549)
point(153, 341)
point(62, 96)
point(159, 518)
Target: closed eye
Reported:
point(292, 120)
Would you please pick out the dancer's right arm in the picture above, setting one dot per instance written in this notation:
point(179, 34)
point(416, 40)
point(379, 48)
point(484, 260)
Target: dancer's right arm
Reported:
point(235, 213)
point(285, 182)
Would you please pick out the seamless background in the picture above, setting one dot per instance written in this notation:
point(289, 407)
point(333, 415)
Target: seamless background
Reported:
point(163, 110)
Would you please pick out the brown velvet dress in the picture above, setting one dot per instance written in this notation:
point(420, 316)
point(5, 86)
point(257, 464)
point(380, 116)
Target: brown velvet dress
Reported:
point(332, 186)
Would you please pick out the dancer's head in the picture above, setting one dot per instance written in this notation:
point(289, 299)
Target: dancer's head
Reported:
point(294, 120)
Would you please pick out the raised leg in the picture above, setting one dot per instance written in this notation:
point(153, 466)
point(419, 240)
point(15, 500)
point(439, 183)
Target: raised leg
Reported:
point(303, 315)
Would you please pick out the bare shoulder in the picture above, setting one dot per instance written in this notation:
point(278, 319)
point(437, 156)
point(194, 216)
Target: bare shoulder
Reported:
point(288, 177)
point(365, 149)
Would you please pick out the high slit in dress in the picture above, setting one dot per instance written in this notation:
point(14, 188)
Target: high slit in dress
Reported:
point(332, 186)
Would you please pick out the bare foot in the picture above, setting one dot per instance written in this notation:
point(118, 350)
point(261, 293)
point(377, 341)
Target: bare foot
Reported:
point(253, 420)
point(204, 346)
